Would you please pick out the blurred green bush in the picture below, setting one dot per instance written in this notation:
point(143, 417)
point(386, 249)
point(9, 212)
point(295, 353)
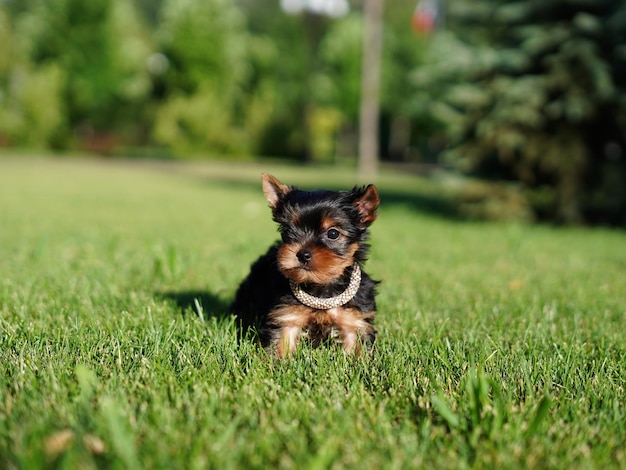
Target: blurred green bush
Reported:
point(518, 91)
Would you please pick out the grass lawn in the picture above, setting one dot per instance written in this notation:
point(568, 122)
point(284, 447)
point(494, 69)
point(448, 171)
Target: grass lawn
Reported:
point(500, 346)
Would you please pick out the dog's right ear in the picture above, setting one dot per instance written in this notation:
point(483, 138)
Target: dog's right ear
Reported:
point(274, 190)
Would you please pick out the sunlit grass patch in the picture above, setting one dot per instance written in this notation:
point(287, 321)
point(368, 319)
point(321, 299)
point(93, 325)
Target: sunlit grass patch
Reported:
point(499, 345)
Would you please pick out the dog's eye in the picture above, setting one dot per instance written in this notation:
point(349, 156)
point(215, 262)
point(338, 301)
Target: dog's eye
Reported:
point(333, 234)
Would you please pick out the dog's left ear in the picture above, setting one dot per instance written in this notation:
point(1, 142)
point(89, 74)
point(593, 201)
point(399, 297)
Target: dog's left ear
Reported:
point(274, 190)
point(366, 202)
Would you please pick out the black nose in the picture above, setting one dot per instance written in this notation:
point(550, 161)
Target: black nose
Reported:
point(304, 256)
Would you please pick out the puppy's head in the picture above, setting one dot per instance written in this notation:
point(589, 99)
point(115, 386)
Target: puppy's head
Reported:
point(323, 232)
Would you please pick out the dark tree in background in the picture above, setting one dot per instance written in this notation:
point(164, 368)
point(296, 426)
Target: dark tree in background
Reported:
point(535, 91)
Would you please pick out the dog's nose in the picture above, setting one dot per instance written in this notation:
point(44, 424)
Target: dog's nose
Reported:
point(304, 256)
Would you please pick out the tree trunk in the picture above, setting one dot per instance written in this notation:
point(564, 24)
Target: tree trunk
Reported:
point(370, 90)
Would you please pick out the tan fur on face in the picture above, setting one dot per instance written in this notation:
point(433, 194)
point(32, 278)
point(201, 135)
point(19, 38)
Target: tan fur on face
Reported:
point(325, 266)
point(327, 224)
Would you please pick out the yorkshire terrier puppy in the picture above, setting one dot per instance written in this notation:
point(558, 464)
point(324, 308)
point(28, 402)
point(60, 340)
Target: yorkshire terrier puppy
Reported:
point(311, 285)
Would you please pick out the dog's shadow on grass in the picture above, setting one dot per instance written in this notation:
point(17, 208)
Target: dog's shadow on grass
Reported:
point(201, 304)
point(206, 306)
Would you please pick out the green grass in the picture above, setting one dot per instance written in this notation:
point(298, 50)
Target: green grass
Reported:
point(500, 346)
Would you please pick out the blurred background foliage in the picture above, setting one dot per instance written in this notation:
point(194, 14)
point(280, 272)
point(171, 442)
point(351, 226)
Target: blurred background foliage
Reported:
point(528, 96)
point(535, 92)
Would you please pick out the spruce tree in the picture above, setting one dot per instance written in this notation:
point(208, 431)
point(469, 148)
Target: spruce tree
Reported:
point(536, 91)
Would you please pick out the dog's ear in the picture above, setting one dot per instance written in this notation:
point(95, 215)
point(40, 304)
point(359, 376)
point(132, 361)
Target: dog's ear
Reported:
point(366, 202)
point(274, 190)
